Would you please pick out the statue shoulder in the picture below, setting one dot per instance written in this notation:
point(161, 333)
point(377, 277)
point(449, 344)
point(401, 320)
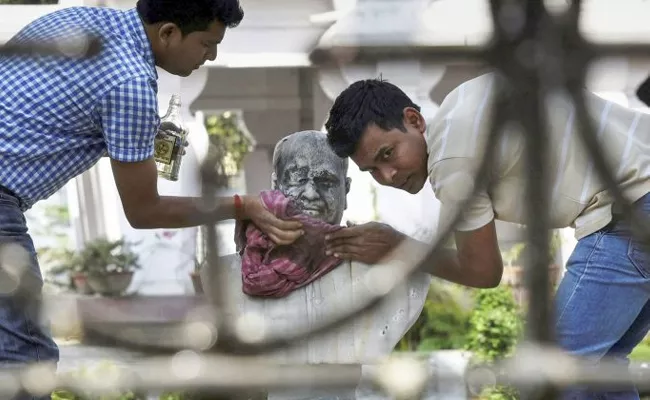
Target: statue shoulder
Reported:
point(357, 265)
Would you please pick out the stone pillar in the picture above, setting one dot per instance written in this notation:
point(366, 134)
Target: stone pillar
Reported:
point(89, 220)
point(268, 124)
point(258, 168)
point(322, 103)
point(267, 127)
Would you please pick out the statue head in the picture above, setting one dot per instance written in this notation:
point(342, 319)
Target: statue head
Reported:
point(308, 171)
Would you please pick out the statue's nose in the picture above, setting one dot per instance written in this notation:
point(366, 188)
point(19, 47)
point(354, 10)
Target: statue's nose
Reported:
point(310, 191)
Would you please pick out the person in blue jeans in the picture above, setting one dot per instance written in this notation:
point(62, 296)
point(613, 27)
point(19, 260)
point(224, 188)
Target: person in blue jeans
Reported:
point(602, 304)
point(58, 116)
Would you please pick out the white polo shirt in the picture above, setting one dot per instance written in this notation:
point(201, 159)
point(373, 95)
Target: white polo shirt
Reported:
point(457, 135)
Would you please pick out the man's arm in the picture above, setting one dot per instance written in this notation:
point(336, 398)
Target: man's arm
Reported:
point(128, 117)
point(137, 185)
point(475, 262)
point(146, 209)
point(477, 259)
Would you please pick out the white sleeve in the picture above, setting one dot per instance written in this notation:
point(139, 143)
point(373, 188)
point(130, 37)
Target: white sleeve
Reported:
point(452, 180)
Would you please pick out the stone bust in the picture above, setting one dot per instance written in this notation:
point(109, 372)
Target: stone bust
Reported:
point(308, 171)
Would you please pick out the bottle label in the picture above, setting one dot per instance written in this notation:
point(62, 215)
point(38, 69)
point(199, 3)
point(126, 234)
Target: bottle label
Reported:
point(164, 148)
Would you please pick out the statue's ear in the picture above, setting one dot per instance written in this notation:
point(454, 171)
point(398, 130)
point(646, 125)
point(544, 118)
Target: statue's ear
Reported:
point(274, 180)
point(348, 181)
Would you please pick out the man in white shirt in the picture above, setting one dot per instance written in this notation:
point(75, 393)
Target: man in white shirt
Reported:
point(603, 302)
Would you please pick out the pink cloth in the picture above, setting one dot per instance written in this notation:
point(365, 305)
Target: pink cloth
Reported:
point(270, 270)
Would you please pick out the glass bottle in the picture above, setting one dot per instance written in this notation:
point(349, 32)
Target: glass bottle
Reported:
point(168, 144)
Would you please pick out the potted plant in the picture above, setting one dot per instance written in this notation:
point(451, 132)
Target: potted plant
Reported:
point(67, 263)
point(57, 259)
point(513, 271)
point(167, 239)
point(109, 265)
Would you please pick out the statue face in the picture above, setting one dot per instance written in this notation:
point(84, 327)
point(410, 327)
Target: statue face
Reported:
point(312, 175)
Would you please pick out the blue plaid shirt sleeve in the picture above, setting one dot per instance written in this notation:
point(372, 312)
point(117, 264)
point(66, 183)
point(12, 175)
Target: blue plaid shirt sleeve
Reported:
point(129, 119)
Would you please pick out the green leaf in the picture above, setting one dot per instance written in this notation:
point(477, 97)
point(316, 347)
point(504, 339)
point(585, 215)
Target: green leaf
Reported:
point(228, 141)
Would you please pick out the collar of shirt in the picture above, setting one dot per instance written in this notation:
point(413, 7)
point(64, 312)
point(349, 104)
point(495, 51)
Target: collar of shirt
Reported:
point(140, 38)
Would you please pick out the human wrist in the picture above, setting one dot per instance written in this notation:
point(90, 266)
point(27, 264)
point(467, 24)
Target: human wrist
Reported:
point(397, 238)
point(410, 247)
point(240, 208)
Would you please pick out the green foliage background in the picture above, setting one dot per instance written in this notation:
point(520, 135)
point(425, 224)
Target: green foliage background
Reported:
point(228, 141)
point(489, 326)
point(443, 323)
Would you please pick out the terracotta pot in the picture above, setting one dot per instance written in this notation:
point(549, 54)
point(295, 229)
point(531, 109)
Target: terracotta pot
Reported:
point(80, 281)
point(110, 284)
point(196, 282)
point(511, 275)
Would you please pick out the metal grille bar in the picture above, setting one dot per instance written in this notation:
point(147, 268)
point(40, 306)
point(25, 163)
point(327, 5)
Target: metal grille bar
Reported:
point(560, 58)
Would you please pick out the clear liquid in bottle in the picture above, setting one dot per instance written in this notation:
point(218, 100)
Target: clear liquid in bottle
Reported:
point(168, 144)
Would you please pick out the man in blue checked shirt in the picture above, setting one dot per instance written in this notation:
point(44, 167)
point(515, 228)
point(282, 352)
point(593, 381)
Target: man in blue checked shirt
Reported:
point(59, 116)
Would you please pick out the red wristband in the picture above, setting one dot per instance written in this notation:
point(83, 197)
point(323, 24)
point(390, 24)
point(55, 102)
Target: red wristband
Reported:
point(239, 207)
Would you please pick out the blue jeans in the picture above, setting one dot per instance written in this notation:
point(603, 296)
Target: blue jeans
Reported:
point(603, 302)
point(23, 338)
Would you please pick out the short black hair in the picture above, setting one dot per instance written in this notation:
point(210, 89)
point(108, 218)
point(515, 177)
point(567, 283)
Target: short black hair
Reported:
point(365, 102)
point(191, 15)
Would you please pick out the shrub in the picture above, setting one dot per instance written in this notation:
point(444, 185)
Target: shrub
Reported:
point(94, 372)
point(443, 323)
point(499, 393)
point(64, 395)
point(495, 326)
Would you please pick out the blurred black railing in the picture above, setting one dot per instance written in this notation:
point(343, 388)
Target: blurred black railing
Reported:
point(560, 59)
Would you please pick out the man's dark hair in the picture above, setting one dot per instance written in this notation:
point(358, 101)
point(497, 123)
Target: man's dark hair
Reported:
point(365, 102)
point(191, 15)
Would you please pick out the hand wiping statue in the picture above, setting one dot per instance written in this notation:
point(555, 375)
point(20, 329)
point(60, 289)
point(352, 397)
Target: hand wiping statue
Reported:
point(311, 180)
point(309, 184)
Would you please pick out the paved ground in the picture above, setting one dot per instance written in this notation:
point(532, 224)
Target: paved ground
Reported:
point(75, 355)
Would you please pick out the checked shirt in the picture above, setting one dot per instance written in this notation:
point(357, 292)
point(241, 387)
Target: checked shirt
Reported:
point(59, 116)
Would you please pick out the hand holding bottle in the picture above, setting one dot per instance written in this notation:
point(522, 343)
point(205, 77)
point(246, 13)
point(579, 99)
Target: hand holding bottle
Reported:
point(170, 142)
